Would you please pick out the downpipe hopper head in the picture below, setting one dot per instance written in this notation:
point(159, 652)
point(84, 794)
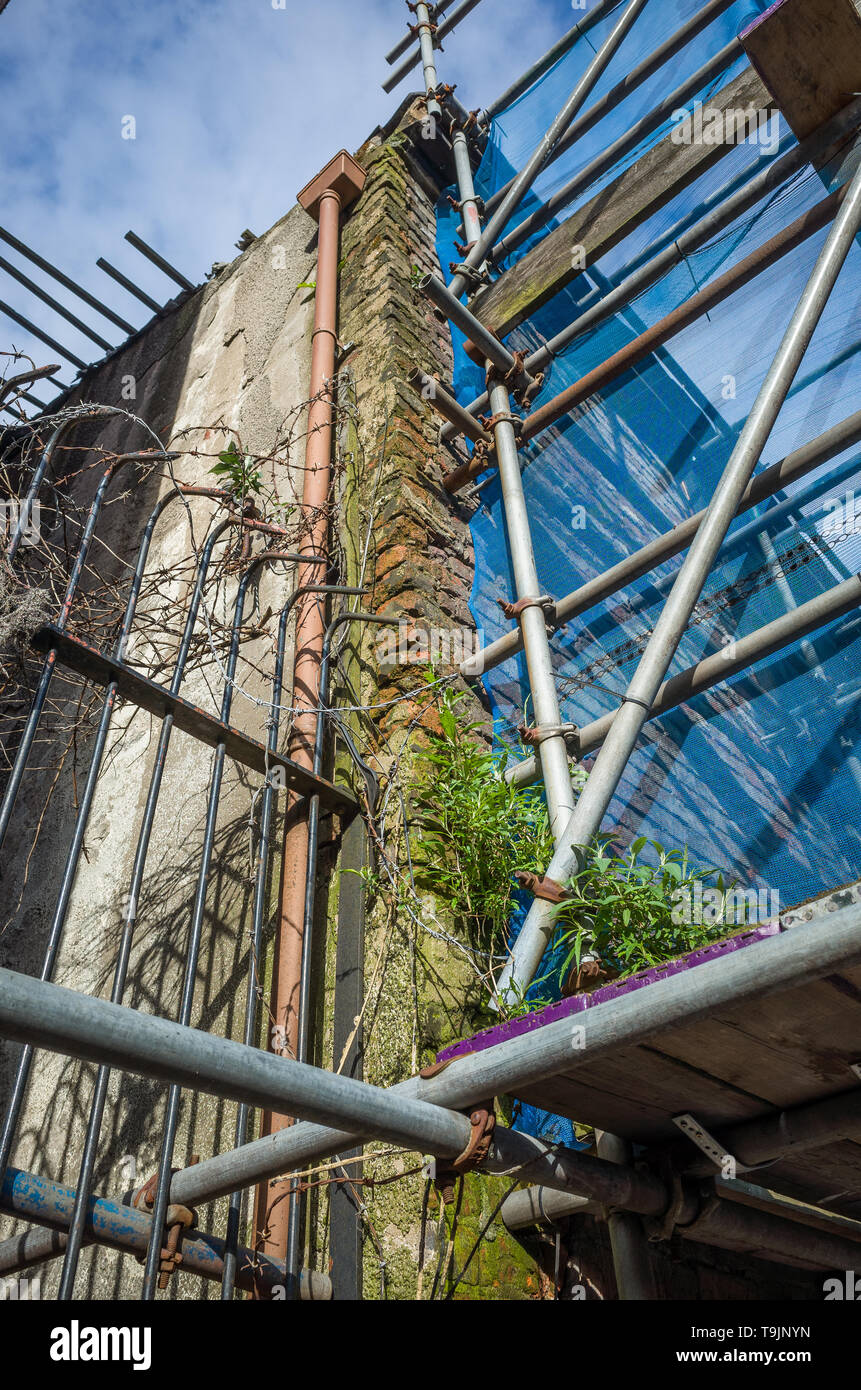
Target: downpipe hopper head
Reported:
point(341, 176)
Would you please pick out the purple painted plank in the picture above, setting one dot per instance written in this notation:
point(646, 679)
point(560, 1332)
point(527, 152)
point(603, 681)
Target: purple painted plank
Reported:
point(517, 1027)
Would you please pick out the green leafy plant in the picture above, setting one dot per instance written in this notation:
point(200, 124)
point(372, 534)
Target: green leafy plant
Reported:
point(240, 469)
point(627, 913)
point(312, 284)
point(476, 829)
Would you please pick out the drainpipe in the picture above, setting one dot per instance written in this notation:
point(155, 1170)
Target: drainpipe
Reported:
point(325, 198)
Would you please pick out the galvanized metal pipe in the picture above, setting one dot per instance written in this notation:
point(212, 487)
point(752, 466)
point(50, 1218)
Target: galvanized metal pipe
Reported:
point(445, 404)
point(151, 1046)
point(445, 28)
point(527, 176)
point(120, 1227)
point(665, 547)
point(723, 1220)
point(466, 184)
point(629, 83)
point(95, 1030)
point(610, 764)
point(484, 341)
point(810, 951)
point(553, 753)
point(549, 59)
point(608, 157)
point(785, 241)
point(632, 1263)
point(428, 56)
point(713, 670)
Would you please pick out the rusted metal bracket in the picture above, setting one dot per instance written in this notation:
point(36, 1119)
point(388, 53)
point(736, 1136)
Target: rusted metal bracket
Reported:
point(547, 889)
point(435, 1068)
point(477, 279)
point(177, 1221)
point(513, 611)
point(535, 735)
point(482, 1118)
point(711, 1147)
point(503, 417)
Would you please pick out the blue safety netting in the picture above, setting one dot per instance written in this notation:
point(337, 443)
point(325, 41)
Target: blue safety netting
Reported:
point(761, 776)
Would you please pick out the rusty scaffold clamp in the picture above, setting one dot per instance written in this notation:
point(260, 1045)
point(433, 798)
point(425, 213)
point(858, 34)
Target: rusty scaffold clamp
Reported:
point(545, 602)
point(177, 1221)
point(523, 387)
point(482, 1118)
point(547, 889)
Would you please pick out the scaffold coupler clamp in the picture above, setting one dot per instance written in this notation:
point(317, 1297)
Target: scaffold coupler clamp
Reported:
point(475, 278)
point(482, 1118)
point(502, 417)
point(536, 734)
point(178, 1219)
point(431, 26)
point(547, 889)
point(513, 611)
point(522, 386)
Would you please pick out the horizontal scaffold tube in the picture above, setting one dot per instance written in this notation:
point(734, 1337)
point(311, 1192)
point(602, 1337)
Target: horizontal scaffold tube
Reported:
point(446, 27)
point(548, 59)
point(482, 339)
point(736, 204)
point(776, 1230)
point(807, 952)
point(523, 181)
point(50, 1205)
point(77, 1025)
point(445, 404)
point(714, 670)
point(665, 547)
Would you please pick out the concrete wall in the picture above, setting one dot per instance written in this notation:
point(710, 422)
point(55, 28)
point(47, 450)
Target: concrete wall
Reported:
point(232, 361)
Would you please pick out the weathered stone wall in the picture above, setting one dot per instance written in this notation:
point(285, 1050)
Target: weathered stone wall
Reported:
point(232, 361)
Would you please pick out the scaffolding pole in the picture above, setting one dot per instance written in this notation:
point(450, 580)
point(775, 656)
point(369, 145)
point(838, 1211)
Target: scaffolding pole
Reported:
point(447, 27)
point(764, 486)
point(605, 161)
point(611, 762)
point(679, 246)
point(527, 176)
point(629, 83)
point(423, 1112)
point(714, 670)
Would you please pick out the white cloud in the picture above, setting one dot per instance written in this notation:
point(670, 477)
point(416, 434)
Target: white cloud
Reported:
point(236, 105)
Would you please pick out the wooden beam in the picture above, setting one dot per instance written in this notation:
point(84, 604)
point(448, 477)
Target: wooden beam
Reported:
point(606, 219)
point(808, 54)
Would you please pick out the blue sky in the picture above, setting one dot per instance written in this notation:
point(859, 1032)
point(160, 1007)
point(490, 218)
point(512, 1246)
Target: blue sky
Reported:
point(236, 105)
